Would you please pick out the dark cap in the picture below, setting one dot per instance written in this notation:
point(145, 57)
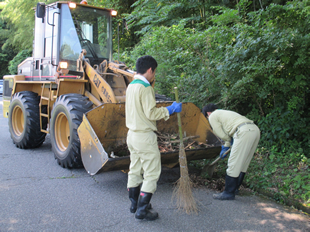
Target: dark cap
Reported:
point(209, 108)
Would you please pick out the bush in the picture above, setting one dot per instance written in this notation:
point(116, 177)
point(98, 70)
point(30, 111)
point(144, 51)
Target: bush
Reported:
point(286, 130)
point(13, 64)
point(287, 173)
point(258, 68)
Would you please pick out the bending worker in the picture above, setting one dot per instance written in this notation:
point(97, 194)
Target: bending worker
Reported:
point(233, 127)
point(141, 115)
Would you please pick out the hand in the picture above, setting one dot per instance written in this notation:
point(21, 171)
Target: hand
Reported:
point(224, 149)
point(175, 107)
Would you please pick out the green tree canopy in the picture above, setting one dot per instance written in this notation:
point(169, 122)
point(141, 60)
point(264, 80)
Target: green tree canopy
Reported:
point(19, 14)
point(255, 63)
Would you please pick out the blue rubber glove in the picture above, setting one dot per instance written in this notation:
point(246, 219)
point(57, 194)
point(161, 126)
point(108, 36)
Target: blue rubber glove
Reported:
point(224, 149)
point(175, 107)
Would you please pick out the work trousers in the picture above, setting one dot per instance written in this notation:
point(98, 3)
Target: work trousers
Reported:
point(145, 163)
point(246, 139)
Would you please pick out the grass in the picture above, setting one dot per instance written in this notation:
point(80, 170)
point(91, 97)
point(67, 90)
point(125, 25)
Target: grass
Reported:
point(285, 175)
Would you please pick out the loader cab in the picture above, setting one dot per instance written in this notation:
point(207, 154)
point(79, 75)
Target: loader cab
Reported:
point(62, 30)
point(84, 28)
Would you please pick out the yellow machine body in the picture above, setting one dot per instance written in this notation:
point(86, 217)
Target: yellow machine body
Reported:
point(82, 105)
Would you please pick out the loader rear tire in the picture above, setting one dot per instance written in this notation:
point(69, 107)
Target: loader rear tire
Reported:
point(24, 120)
point(66, 117)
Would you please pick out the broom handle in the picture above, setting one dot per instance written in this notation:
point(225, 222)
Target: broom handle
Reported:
point(178, 114)
point(219, 157)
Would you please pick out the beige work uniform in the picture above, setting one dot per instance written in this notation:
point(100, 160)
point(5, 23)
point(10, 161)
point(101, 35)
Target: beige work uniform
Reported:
point(141, 117)
point(227, 124)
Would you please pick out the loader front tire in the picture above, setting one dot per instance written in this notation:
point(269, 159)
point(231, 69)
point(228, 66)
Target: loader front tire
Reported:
point(24, 120)
point(66, 117)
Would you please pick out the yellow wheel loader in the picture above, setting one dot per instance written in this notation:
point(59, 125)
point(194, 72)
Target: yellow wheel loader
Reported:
point(71, 89)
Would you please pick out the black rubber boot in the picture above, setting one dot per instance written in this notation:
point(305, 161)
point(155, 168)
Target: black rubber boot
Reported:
point(240, 180)
point(134, 196)
point(230, 188)
point(142, 211)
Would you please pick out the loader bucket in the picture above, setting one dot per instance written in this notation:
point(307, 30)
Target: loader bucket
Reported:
point(103, 131)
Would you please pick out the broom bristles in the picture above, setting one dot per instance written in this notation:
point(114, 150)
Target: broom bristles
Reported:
point(183, 190)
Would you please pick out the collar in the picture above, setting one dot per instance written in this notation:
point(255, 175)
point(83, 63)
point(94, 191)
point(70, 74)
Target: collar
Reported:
point(142, 78)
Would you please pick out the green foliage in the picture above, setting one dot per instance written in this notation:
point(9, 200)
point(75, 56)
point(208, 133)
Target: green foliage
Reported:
point(5, 56)
point(149, 14)
point(2, 4)
point(226, 16)
point(121, 6)
point(258, 67)
point(13, 64)
point(6, 52)
point(287, 173)
point(287, 129)
point(20, 16)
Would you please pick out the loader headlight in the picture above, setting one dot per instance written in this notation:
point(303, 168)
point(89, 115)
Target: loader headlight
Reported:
point(63, 65)
point(72, 5)
point(113, 12)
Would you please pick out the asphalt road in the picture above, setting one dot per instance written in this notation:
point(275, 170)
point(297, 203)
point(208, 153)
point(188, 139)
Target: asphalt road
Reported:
point(36, 194)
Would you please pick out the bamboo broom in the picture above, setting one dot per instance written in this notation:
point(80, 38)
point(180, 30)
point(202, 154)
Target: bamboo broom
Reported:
point(183, 189)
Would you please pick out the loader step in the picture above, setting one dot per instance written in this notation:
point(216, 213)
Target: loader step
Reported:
point(45, 131)
point(44, 115)
point(45, 98)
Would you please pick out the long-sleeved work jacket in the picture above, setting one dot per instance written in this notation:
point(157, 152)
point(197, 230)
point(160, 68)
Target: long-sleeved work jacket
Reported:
point(141, 110)
point(225, 122)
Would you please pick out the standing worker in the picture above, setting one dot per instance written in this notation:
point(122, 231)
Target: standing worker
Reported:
point(234, 128)
point(141, 116)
